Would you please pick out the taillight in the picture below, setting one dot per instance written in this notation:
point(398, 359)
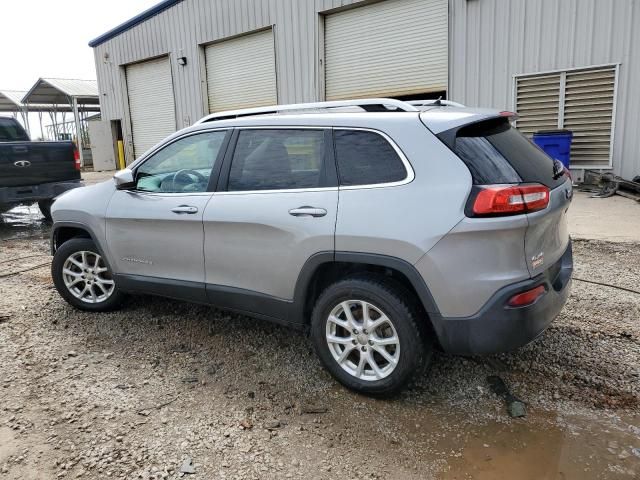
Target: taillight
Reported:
point(495, 200)
point(76, 157)
point(527, 298)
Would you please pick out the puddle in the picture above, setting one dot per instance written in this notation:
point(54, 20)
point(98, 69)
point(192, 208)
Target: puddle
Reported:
point(485, 444)
point(547, 447)
point(22, 222)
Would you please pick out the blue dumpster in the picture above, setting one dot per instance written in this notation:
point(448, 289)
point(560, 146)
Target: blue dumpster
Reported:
point(555, 143)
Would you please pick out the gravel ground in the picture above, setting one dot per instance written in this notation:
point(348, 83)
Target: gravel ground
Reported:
point(135, 393)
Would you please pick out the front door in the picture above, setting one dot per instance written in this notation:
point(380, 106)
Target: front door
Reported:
point(278, 209)
point(154, 231)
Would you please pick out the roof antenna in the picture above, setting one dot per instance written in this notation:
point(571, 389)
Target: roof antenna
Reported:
point(438, 101)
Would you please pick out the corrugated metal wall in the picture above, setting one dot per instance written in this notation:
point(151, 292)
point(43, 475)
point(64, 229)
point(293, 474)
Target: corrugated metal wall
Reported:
point(489, 41)
point(492, 40)
point(182, 29)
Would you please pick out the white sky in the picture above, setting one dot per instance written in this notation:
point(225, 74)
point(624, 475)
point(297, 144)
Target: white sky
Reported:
point(49, 38)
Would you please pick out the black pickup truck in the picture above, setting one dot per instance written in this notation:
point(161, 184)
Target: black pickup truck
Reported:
point(34, 171)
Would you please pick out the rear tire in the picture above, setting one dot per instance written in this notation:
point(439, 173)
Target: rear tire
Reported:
point(45, 209)
point(349, 341)
point(82, 277)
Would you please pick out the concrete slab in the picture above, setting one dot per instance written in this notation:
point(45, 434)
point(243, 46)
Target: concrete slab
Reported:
point(91, 178)
point(613, 219)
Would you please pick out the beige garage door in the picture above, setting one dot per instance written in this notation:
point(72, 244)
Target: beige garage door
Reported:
point(391, 48)
point(241, 72)
point(151, 103)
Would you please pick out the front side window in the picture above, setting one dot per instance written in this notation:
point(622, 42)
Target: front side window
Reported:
point(366, 158)
point(275, 159)
point(183, 166)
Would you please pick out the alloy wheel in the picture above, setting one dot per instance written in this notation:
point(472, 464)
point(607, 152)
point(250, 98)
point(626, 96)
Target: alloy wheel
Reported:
point(362, 340)
point(87, 278)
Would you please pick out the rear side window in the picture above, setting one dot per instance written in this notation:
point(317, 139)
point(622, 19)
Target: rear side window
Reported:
point(12, 131)
point(366, 158)
point(496, 153)
point(270, 159)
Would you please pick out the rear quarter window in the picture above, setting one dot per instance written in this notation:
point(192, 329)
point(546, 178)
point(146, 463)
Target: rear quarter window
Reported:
point(366, 158)
point(495, 152)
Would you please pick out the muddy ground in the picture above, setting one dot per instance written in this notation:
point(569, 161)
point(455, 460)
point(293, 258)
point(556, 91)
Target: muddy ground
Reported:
point(132, 394)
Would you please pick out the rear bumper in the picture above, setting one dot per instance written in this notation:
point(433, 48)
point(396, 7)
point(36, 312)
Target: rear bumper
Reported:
point(497, 328)
point(33, 193)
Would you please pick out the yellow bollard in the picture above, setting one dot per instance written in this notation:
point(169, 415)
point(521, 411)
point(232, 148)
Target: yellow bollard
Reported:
point(121, 163)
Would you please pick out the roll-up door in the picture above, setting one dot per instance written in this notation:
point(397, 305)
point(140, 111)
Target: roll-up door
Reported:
point(241, 72)
point(151, 103)
point(391, 48)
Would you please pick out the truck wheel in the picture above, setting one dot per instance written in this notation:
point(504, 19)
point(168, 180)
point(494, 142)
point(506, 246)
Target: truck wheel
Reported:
point(45, 209)
point(365, 331)
point(82, 277)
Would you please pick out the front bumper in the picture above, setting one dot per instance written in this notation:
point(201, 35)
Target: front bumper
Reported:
point(498, 328)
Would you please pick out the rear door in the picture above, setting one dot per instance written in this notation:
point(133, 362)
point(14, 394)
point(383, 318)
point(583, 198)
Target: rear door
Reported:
point(277, 208)
point(496, 153)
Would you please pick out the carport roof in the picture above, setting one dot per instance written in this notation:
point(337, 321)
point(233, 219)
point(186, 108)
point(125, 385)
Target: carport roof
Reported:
point(11, 101)
point(59, 91)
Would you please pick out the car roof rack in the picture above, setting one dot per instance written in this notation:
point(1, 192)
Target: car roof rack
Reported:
point(367, 104)
point(435, 103)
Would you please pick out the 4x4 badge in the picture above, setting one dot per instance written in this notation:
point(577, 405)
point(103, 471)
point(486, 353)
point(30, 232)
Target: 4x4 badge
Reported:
point(537, 260)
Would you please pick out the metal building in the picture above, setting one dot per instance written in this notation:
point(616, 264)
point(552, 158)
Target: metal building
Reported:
point(559, 63)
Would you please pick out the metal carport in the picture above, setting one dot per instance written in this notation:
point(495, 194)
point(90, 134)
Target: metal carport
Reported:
point(81, 96)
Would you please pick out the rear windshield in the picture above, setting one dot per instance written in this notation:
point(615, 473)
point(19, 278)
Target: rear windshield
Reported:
point(11, 131)
point(495, 152)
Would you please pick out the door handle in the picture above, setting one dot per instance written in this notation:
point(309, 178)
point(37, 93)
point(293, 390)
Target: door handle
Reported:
point(307, 211)
point(185, 209)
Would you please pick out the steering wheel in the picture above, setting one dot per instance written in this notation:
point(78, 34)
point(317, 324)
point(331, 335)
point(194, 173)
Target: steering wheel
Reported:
point(185, 172)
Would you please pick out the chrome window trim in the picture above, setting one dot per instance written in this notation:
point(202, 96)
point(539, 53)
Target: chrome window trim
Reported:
point(407, 165)
point(169, 194)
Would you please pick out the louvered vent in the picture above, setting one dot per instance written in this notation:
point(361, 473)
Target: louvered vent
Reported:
point(579, 100)
point(588, 112)
point(538, 100)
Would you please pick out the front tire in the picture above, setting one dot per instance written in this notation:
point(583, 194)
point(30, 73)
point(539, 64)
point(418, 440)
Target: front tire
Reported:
point(82, 277)
point(365, 331)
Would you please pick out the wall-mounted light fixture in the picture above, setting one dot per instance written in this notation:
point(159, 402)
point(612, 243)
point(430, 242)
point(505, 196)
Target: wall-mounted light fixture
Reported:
point(182, 61)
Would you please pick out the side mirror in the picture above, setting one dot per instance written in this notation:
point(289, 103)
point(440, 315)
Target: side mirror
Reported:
point(124, 179)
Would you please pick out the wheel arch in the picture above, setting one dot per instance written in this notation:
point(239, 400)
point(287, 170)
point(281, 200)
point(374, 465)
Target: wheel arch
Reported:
point(323, 268)
point(62, 232)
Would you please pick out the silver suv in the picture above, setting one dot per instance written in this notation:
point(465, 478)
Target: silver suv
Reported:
point(383, 228)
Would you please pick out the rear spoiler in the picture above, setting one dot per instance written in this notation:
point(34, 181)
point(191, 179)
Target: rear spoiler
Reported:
point(449, 136)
